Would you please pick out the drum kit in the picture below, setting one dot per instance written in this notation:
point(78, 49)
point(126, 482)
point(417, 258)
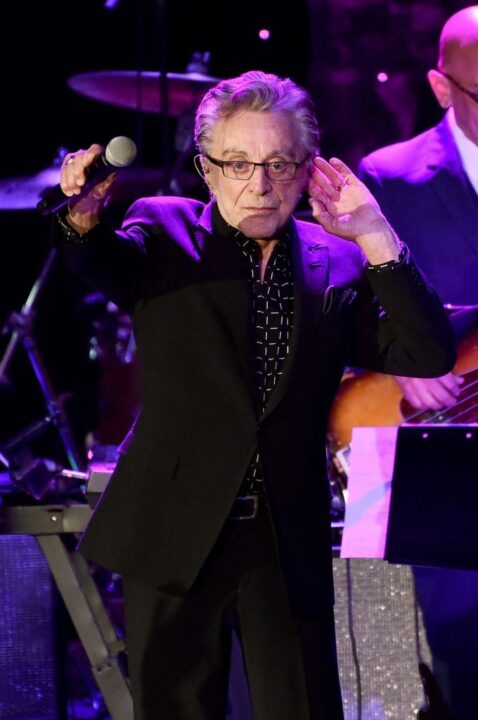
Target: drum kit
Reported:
point(174, 94)
point(143, 91)
point(163, 94)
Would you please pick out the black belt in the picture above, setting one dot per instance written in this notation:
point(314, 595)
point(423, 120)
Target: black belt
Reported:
point(247, 507)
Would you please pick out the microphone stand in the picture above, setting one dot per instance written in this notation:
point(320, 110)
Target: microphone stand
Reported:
point(20, 324)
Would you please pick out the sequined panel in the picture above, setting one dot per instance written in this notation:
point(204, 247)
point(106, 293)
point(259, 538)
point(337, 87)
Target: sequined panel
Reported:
point(376, 612)
point(28, 682)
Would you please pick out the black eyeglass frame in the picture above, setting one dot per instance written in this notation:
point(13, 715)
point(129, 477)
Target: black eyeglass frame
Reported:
point(472, 95)
point(265, 165)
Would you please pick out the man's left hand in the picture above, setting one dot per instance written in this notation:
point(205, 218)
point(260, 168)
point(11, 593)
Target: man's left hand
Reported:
point(345, 207)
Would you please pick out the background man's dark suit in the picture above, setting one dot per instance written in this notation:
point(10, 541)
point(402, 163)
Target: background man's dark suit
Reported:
point(425, 194)
point(199, 427)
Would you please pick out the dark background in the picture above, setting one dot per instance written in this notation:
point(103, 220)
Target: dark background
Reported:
point(336, 48)
point(49, 41)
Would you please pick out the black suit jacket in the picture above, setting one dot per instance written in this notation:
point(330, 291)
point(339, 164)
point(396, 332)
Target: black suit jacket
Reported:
point(200, 425)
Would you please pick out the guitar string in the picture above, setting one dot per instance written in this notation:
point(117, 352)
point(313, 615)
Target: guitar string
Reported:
point(454, 416)
point(448, 414)
point(453, 409)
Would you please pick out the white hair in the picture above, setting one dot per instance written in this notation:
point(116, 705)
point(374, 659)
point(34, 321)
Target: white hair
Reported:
point(259, 92)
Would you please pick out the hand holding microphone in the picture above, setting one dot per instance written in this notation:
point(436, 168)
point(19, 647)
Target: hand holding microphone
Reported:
point(86, 179)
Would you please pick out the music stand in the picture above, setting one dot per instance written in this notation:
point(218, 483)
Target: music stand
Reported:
point(433, 516)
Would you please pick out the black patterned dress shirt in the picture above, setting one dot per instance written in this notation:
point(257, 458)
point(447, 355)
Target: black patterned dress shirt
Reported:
point(272, 314)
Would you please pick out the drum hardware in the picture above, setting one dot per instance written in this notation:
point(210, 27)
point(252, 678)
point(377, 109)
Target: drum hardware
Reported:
point(29, 474)
point(24, 193)
point(142, 90)
point(337, 484)
point(37, 476)
point(112, 349)
point(338, 496)
point(161, 93)
point(184, 138)
point(113, 335)
point(20, 325)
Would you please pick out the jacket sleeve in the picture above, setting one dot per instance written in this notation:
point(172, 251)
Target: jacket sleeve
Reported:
point(403, 329)
point(115, 262)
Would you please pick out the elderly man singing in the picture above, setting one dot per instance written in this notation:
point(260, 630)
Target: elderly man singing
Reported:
point(217, 515)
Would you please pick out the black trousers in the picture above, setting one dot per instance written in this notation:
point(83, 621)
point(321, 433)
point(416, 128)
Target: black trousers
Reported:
point(179, 648)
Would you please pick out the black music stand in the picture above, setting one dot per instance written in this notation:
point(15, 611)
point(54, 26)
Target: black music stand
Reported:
point(433, 517)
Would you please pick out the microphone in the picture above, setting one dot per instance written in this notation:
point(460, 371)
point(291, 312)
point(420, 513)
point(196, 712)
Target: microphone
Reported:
point(120, 152)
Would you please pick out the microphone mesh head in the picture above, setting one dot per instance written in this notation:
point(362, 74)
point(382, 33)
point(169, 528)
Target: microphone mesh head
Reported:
point(120, 151)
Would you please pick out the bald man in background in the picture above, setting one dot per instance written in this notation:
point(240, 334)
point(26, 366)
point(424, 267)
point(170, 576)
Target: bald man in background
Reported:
point(428, 189)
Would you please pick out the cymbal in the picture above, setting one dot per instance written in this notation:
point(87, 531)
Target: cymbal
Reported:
point(24, 193)
point(142, 90)
point(449, 307)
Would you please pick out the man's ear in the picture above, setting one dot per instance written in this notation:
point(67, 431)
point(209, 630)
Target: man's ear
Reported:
point(441, 88)
point(202, 167)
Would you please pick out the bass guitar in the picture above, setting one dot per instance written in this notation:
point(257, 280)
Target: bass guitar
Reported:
point(375, 399)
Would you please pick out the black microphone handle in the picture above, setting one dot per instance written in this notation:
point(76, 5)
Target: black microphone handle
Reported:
point(53, 199)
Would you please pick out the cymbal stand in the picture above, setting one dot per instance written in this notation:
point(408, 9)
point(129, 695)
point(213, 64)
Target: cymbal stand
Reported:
point(184, 139)
point(161, 19)
point(20, 324)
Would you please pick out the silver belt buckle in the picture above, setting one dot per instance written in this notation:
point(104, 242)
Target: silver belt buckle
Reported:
point(255, 507)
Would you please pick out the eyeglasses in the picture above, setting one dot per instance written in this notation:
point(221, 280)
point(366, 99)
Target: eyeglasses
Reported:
point(472, 95)
point(276, 170)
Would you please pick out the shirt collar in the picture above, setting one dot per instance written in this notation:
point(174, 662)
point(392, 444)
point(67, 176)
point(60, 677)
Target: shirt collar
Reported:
point(467, 149)
point(222, 228)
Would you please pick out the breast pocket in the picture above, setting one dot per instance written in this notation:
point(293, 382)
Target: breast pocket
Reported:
point(336, 299)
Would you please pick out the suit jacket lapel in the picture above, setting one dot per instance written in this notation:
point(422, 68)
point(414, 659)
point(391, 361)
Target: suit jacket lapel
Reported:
point(310, 268)
point(451, 183)
point(230, 296)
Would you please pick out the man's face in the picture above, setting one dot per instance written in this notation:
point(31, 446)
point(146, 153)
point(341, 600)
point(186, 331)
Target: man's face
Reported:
point(258, 207)
point(463, 67)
